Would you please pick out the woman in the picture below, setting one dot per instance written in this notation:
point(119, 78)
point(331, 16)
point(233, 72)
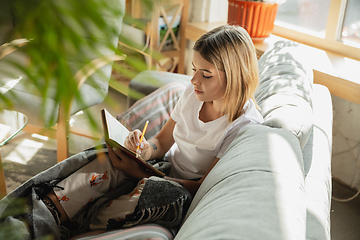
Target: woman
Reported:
point(212, 110)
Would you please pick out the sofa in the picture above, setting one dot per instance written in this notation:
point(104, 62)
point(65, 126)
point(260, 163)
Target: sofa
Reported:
point(274, 181)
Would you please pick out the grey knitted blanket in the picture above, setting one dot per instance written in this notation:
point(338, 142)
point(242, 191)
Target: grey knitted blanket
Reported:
point(24, 216)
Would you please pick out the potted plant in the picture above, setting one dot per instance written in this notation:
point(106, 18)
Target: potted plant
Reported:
point(256, 16)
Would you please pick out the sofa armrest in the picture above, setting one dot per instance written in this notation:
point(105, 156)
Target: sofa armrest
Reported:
point(317, 165)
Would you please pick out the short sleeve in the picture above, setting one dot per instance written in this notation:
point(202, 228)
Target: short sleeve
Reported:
point(175, 114)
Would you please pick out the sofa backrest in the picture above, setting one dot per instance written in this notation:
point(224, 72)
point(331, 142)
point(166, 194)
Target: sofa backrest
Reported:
point(285, 90)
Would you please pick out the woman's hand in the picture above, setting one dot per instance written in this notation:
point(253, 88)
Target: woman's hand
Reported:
point(124, 163)
point(132, 141)
point(157, 146)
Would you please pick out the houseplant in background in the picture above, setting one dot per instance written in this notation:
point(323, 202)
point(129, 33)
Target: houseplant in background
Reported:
point(256, 16)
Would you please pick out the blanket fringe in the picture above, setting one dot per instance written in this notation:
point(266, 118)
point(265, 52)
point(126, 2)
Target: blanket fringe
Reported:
point(168, 216)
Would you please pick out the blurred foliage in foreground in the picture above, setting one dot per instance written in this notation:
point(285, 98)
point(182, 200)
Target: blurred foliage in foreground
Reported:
point(64, 36)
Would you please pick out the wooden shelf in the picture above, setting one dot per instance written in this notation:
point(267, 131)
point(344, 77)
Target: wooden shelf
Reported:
point(171, 12)
point(166, 59)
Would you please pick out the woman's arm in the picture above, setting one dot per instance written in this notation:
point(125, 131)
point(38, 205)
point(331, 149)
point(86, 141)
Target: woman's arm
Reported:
point(154, 148)
point(124, 163)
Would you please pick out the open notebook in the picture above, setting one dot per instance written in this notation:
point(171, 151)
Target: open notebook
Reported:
point(115, 134)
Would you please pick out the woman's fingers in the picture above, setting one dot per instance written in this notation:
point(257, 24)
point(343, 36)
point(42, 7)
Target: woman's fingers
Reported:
point(124, 163)
point(115, 160)
point(143, 147)
point(132, 141)
point(119, 159)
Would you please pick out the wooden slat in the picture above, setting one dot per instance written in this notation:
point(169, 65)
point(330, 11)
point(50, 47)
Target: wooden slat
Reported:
point(339, 87)
point(50, 133)
point(171, 54)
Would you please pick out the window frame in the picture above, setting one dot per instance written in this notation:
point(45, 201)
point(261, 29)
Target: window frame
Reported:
point(331, 41)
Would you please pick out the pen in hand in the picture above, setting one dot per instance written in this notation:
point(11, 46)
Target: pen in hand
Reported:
point(141, 138)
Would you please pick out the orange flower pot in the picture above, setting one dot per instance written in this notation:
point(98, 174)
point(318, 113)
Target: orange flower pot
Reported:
point(256, 17)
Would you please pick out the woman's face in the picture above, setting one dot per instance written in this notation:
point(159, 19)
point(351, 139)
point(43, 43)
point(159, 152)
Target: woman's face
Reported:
point(209, 83)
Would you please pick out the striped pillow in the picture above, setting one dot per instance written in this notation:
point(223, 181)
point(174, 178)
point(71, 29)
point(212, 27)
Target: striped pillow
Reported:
point(156, 107)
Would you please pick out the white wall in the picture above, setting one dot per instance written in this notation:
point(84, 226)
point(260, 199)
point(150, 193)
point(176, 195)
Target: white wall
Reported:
point(204, 11)
point(346, 142)
point(208, 10)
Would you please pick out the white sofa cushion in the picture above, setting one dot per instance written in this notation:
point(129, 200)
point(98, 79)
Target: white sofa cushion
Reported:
point(317, 166)
point(285, 91)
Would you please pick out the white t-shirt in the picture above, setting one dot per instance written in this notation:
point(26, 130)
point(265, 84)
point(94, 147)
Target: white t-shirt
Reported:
point(197, 143)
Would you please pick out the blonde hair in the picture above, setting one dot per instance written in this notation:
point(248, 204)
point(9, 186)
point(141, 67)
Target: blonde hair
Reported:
point(231, 50)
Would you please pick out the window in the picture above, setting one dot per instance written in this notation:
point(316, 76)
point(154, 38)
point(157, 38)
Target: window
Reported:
point(327, 24)
point(307, 16)
point(351, 29)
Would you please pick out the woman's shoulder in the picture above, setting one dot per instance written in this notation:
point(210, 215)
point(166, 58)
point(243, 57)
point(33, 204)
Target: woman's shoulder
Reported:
point(251, 112)
point(250, 115)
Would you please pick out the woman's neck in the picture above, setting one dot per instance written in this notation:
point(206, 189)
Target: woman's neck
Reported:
point(210, 111)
